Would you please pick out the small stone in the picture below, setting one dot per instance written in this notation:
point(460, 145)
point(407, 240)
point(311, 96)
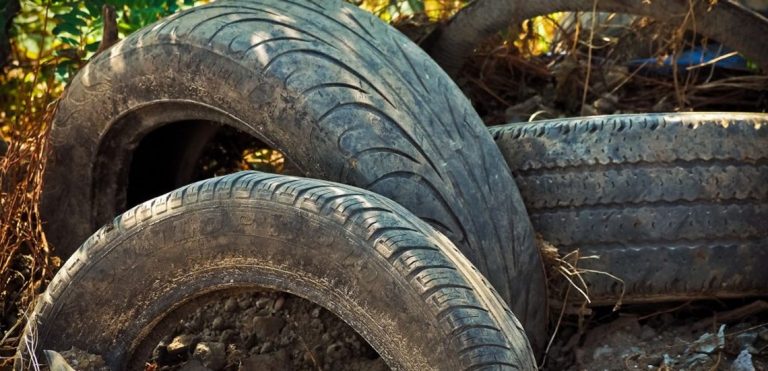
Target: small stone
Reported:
point(587, 110)
point(316, 325)
point(211, 355)
point(250, 341)
point(276, 361)
point(230, 305)
point(193, 325)
point(279, 303)
point(350, 337)
point(606, 103)
point(181, 344)
point(603, 351)
point(218, 323)
point(315, 312)
point(228, 336)
point(286, 338)
point(743, 362)
point(244, 302)
point(208, 335)
point(267, 327)
point(335, 351)
point(647, 333)
point(264, 303)
point(267, 347)
point(194, 365)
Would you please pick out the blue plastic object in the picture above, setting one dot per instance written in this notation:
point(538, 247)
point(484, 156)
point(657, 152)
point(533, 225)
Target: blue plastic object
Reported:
point(694, 57)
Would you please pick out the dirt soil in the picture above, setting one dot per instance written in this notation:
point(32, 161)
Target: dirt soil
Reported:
point(264, 331)
point(277, 331)
point(691, 336)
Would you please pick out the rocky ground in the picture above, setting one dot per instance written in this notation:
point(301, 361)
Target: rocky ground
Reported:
point(276, 331)
point(691, 336)
point(254, 331)
point(263, 331)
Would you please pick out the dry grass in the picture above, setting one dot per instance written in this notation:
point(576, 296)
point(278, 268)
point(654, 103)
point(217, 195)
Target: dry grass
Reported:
point(583, 70)
point(564, 276)
point(26, 262)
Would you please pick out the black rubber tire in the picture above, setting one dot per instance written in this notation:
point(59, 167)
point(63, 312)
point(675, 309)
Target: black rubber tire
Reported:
point(674, 204)
point(402, 285)
point(345, 98)
point(729, 22)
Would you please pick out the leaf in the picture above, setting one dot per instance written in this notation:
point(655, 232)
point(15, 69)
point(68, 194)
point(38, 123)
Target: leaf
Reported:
point(70, 18)
point(80, 14)
point(92, 47)
point(416, 5)
point(62, 72)
point(69, 41)
point(94, 7)
point(66, 27)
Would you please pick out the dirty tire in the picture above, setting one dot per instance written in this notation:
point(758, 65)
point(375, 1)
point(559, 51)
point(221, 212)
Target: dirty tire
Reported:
point(402, 285)
point(729, 22)
point(345, 97)
point(676, 205)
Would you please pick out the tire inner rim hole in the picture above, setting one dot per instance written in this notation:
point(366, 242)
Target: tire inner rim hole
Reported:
point(180, 153)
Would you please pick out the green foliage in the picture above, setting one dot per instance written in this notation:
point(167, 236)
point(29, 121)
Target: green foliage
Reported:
point(78, 25)
point(396, 10)
point(52, 39)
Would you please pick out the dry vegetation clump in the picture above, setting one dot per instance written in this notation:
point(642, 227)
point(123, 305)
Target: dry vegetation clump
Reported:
point(26, 260)
point(574, 64)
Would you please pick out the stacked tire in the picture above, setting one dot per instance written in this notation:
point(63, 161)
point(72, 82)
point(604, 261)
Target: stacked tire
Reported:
point(344, 98)
point(674, 205)
point(365, 258)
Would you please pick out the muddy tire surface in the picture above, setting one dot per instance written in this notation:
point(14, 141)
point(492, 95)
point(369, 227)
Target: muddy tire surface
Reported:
point(400, 284)
point(344, 97)
point(676, 205)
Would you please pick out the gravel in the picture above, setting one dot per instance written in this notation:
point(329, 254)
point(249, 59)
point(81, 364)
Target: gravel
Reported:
point(263, 331)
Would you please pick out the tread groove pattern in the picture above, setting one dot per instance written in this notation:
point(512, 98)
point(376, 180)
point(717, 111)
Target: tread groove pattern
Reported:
point(687, 189)
point(251, 63)
point(474, 319)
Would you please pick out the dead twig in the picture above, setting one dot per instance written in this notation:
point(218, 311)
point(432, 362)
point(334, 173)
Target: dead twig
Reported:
point(732, 315)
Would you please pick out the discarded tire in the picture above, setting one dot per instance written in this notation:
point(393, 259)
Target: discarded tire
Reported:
point(729, 22)
point(342, 95)
point(360, 255)
point(676, 205)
